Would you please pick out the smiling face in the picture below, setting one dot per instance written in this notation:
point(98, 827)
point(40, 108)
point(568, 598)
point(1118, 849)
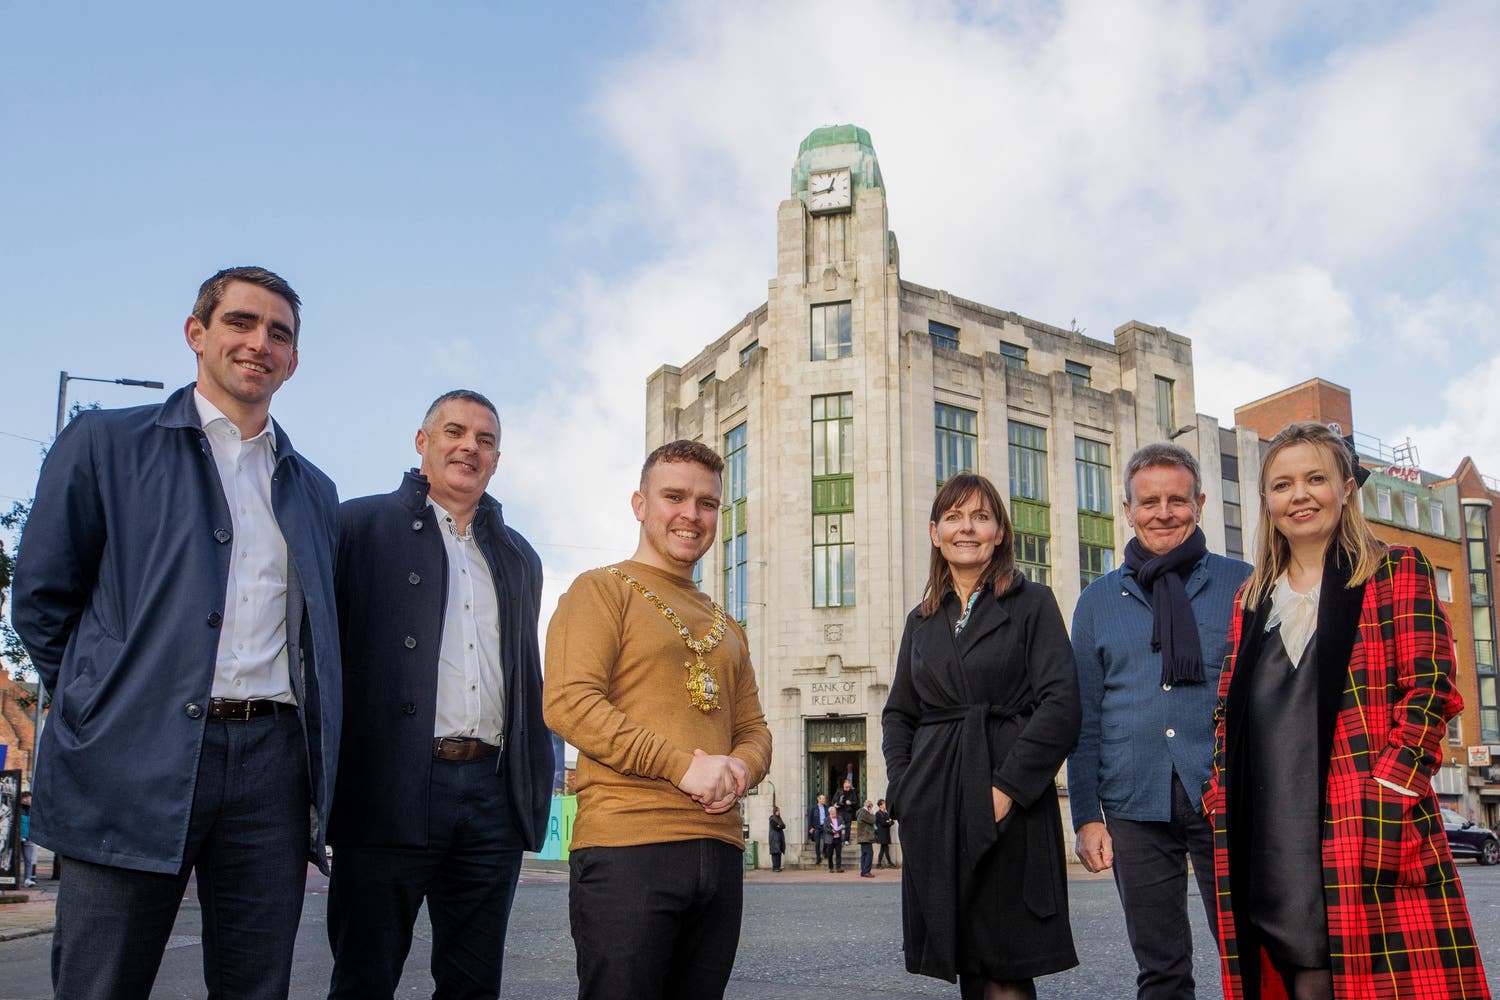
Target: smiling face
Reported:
point(460, 449)
point(966, 534)
point(245, 352)
point(678, 508)
point(1305, 496)
point(1162, 508)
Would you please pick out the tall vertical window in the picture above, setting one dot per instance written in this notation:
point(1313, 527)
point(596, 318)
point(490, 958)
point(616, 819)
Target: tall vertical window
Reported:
point(1435, 517)
point(956, 437)
point(1096, 525)
point(1014, 355)
point(1079, 374)
point(1409, 510)
point(1234, 528)
point(1028, 461)
point(832, 331)
point(1482, 604)
point(1031, 515)
point(1444, 584)
point(942, 334)
point(1093, 475)
point(1166, 406)
point(697, 574)
point(833, 500)
point(748, 351)
point(734, 526)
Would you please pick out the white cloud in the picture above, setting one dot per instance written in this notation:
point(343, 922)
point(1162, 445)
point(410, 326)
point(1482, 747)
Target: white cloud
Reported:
point(1279, 184)
point(1470, 424)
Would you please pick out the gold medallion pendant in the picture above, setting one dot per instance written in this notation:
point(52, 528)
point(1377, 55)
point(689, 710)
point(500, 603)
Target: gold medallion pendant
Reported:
point(702, 685)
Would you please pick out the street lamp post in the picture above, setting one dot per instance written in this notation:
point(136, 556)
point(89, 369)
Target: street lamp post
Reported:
point(63, 378)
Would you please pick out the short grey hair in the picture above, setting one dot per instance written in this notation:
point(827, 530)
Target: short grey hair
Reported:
point(468, 396)
point(1163, 453)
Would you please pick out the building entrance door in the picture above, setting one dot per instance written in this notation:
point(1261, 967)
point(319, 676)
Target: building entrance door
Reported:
point(833, 747)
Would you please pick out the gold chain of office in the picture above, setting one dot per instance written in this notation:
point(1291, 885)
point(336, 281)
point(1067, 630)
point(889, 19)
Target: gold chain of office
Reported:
point(702, 686)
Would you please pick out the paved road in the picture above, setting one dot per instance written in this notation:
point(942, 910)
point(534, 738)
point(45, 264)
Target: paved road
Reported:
point(812, 936)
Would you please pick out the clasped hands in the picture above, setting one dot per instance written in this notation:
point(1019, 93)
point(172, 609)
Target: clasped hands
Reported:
point(715, 781)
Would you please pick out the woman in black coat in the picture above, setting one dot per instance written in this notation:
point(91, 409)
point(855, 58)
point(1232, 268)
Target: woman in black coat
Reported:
point(776, 842)
point(982, 712)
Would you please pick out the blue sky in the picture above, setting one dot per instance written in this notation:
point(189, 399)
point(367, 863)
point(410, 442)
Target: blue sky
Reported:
point(548, 202)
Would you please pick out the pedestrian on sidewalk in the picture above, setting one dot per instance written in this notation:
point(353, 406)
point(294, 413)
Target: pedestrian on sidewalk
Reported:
point(833, 836)
point(883, 824)
point(28, 849)
point(777, 838)
point(864, 836)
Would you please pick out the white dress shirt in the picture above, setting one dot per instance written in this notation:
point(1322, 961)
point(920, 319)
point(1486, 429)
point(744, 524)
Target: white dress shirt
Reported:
point(471, 686)
point(252, 657)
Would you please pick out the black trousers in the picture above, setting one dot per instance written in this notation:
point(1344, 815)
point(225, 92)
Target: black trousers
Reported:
point(656, 920)
point(467, 873)
point(1151, 876)
point(247, 849)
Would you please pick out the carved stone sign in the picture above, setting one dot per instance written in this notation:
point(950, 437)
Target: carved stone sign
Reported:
point(833, 694)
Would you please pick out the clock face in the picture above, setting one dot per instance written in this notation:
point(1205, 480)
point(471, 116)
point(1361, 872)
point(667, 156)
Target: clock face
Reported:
point(828, 190)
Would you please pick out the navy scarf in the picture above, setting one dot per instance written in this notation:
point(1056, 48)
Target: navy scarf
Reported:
point(1174, 632)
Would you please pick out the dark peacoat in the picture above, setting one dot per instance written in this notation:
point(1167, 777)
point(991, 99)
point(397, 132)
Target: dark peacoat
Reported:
point(995, 707)
point(392, 585)
point(119, 592)
point(776, 841)
point(1397, 923)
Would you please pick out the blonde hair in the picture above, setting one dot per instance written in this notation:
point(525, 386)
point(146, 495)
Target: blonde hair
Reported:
point(1361, 549)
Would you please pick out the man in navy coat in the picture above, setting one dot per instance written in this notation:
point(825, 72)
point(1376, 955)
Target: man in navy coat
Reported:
point(175, 590)
point(449, 765)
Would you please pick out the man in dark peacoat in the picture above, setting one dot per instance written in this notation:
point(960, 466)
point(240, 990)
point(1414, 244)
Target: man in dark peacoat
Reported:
point(449, 765)
point(191, 649)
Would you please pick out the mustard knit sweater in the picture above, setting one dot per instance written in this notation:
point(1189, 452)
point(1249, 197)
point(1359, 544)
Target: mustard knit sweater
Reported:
point(616, 689)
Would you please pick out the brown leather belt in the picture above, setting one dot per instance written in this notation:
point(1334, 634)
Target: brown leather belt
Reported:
point(461, 748)
point(234, 710)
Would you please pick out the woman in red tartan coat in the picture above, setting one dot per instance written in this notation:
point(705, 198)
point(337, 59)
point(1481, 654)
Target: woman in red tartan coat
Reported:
point(1333, 871)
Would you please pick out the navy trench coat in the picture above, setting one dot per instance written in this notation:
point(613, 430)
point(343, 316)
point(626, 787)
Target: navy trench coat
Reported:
point(119, 591)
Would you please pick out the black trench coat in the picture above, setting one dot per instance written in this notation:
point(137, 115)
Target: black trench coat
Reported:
point(997, 706)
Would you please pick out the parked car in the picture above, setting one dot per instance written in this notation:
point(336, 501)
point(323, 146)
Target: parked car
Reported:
point(1467, 839)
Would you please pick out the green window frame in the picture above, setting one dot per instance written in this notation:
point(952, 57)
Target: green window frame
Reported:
point(833, 500)
point(1032, 523)
point(832, 333)
point(955, 440)
point(735, 524)
point(1096, 546)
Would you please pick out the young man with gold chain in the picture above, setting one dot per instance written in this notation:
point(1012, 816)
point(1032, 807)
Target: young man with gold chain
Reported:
point(652, 682)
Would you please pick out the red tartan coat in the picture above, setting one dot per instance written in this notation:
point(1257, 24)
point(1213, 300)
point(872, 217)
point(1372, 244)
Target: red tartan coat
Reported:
point(1397, 923)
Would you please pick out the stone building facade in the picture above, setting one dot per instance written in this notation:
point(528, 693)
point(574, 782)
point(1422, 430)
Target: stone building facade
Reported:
point(842, 402)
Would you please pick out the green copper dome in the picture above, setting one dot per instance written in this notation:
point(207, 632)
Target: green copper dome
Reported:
point(834, 146)
point(836, 135)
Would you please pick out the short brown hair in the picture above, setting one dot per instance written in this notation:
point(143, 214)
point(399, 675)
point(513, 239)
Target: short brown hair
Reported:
point(211, 293)
point(1001, 572)
point(684, 451)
